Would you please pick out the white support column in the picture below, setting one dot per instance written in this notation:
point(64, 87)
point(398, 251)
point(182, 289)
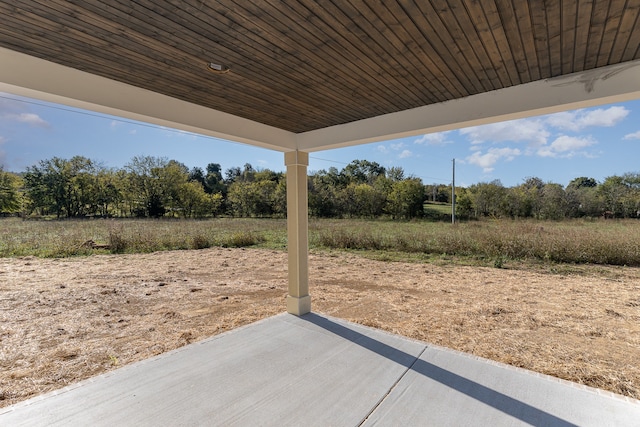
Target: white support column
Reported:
point(298, 300)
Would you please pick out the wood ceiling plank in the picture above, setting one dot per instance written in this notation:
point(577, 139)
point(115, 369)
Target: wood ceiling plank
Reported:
point(329, 46)
point(540, 35)
point(375, 49)
point(396, 27)
point(568, 35)
point(596, 33)
point(583, 22)
point(554, 35)
point(468, 43)
point(463, 16)
point(632, 50)
point(123, 72)
point(486, 22)
point(525, 25)
point(435, 34)
point(611, 28)
point(297, 65)
point(511, 39)
point(265, 85)
point(628, 22)
point(421, 55)
point(323, 50)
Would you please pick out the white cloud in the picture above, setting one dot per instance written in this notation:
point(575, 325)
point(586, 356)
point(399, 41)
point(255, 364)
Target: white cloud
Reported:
point(634, 135)
point(438, 138)
point(566, 146)
point(531, 131)
point(397, 147)
point(487, 160)
point(15, 111)
point(28, 118)
point(578, 120)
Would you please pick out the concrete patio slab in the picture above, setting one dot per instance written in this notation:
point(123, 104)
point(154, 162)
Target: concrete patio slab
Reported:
point(320, 371)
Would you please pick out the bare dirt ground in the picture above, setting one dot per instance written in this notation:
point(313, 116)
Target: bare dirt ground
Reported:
point(64, 320)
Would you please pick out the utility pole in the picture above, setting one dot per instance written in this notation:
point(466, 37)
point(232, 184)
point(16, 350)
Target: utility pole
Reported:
point(453, 194)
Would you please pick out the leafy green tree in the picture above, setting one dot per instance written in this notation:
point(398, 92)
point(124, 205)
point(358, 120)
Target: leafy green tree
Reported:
point(255, 193)
point(613, 191)
point(193, 201)
point(362, 171)
point(62, 187)
point(10, 197)
point(488, 198)
point(197, 174)
point(582, 198)
point(464, 203)
point(322, 188)
point(406, 199)
point(214, 183)
point(395, 173)
point(554, 203)
point(143, 189)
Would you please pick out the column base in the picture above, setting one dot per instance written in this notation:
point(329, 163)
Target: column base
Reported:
point(298, 306)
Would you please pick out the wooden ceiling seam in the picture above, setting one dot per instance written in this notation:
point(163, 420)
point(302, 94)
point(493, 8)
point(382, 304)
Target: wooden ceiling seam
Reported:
point(477, 43)
point(610, 34)
point(487, 37)
point(339, 58)
point(501, 39)
point(386, 62)
point(431, 27)
point(516, 43)
point(610, 46)
point(628, 21)
point(568, 19)
point(426, 55)
point(461, 29)
point(417, 75)
point(583, 21)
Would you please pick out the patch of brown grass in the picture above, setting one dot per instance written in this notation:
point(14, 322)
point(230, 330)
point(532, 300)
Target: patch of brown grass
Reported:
point(64, 320)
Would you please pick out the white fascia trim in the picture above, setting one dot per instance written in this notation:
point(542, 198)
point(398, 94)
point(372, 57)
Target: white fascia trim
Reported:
point(32, 77)
point(616, 83)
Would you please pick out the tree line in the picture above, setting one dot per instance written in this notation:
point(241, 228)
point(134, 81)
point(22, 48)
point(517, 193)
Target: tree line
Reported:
point(156, 187)
point(584, 197)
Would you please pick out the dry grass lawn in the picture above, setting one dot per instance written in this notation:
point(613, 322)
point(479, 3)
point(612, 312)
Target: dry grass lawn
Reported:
point(63, 320)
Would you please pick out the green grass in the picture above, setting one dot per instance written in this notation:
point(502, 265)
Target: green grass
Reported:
point(493, 243)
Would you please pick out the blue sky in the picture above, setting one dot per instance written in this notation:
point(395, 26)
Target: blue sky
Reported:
point(595, 142)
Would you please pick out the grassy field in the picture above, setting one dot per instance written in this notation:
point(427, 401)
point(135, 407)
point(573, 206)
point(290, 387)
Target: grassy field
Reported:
point(486, 242)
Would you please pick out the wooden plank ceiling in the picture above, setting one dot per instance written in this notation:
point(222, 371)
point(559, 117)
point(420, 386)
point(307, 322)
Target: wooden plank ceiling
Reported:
point(302, 65)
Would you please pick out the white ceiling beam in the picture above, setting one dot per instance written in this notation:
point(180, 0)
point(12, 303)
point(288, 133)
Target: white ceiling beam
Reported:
point(32, 77)
point(617, 83)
